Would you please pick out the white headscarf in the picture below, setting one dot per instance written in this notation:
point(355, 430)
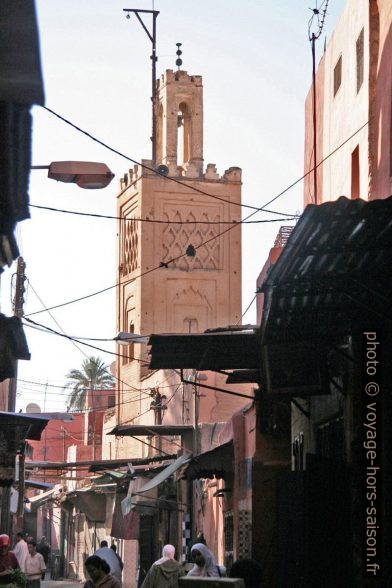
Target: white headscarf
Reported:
point(210, 567)
point(168, 552)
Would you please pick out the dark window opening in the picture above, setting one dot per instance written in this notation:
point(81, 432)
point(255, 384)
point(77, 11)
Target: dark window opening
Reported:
point(355, 173)
point(360, 50)
point(337, 76)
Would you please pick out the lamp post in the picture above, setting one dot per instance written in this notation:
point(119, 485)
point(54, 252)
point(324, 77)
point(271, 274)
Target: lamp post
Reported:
point(90, 175)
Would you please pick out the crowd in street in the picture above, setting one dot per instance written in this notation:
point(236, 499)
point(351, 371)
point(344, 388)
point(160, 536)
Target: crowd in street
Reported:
point(25, 563)
point(105, 567)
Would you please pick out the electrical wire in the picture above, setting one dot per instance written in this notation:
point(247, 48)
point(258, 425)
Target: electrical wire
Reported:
point(247, 308)
point(169, 222)
point(166, 264)
point(143, 165)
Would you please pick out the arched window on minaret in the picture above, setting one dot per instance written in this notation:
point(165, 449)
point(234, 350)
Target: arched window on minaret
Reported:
point(183, 134)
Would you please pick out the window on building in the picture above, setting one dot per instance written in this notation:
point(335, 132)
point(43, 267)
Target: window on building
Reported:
point(111, 401)
point(183, 134)
point(337, 76)
point(360, 49)
point(355, 173)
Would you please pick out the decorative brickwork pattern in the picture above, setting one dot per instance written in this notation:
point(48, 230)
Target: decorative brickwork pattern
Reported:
point(129, 247)
point(245, 534)
point(177, 238)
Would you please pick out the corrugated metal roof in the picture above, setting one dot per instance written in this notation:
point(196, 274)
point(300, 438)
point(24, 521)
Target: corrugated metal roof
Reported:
point(334, 271)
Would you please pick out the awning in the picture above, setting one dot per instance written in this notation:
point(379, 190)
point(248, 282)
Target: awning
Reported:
point(218, 350)
point(150, 430)
point(14, 429)
point(37, 484)
point(111, 464)
point(164, 474)
point(124, 527)
point(40, 499)
point(333, 273)
point(217, 462)
point(92, 504)
point(21, 78)
point(332, 279)
point(137, 490)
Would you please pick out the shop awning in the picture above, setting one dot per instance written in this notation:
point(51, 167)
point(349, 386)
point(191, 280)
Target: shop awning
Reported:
point(37, 484)
point(221, 349)
point(137, 490)
point(332, 279)
point(333, 272)
point(217, 462)
point(40, 499)
point(150, 430)
point(92, 504)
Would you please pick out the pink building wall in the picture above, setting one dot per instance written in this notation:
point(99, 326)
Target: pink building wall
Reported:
point(380, 120)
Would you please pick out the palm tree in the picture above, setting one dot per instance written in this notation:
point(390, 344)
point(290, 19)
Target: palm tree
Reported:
point(93, 375)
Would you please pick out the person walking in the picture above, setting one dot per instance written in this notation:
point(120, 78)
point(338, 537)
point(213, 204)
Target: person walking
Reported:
point(120, 561)
point(34, 566)
point(44, 549)
point(21, 549)
point(8, 561)
point(205, 564)
point(99, 571)
point(164, 572)
point(104, 552)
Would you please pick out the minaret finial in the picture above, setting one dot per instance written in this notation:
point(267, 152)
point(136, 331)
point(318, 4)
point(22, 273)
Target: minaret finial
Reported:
point(179, 53)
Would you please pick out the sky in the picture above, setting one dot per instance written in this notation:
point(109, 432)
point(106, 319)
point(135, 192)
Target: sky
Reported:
point(255, 60)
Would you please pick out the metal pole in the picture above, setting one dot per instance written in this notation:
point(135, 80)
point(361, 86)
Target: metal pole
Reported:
point(154, 90)
point(314, 118)
point(154, 59)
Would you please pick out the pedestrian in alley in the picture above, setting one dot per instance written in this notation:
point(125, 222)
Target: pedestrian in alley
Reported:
point(249, 570)
point(99, 571)
point(120, 561)
point(20, 549)
point(8, 561)
point(104, 552)
point(205, 564)
point(164, 572)
point(34, 566)
point(44, 549)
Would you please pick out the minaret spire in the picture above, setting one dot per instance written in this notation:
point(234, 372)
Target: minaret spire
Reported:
point(179, 53)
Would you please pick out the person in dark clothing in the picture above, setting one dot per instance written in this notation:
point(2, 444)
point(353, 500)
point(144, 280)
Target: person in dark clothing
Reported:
point(8, 561)
point(249, 570)
point(44, 549)
point(120, 561)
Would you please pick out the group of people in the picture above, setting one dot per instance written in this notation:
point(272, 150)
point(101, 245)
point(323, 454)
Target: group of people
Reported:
point(165, 572)
point(26, 556)
point(105, 568)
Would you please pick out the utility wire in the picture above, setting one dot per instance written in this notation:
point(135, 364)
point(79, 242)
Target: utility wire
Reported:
point(166, 264)
point(169, 222)
point(143, 165)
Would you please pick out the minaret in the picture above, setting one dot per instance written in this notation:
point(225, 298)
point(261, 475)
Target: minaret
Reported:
point(201, 289)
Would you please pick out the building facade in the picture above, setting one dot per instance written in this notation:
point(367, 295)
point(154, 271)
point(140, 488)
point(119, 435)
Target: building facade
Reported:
point(353, 108)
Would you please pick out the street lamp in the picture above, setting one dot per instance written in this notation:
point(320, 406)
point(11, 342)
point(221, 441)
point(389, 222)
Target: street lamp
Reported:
point(86, 174)
point(126, 338)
